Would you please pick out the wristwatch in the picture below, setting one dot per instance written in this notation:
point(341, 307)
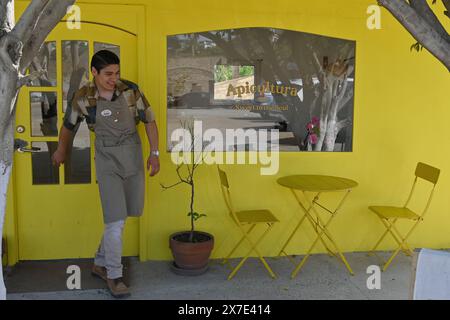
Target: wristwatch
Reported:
point(154, 153)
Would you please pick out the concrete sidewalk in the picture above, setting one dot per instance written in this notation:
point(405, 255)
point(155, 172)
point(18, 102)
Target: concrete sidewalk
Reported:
point(322, 277)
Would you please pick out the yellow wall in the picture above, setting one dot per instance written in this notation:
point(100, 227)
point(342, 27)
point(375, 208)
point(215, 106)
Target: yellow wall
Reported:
point(401, 117)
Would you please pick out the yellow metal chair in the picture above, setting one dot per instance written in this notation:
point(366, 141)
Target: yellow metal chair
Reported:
point(243, 219)
point(390, 215)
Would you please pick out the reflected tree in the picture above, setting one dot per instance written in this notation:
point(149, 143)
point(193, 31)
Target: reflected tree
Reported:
point(318, 67)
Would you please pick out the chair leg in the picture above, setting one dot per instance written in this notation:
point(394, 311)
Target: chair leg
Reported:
point(236, 269)
point(372, 251)
point(266, 265)
point(398, 237)
point(391, 258)
point(401, 245)
point(261, 258)
point(406, 249)
point(253, 248)
point(225, 260)
point(387, 226)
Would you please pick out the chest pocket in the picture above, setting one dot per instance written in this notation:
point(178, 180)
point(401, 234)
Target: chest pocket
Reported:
point(114, 118)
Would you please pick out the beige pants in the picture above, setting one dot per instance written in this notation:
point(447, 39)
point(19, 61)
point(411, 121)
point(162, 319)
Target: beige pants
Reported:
point(109, 253)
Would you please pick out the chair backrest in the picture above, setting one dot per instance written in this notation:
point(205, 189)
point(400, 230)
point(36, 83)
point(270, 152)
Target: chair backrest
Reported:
point(428, 173)
point(225, 187)
point(223, 178)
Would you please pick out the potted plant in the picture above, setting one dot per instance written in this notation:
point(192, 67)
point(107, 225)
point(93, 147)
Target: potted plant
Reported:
point(191, 249)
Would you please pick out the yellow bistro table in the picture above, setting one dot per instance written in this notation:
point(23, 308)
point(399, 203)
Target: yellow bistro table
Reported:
point(317, 184)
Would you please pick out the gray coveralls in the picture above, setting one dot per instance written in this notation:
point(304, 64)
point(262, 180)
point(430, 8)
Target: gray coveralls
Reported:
point(120, 176)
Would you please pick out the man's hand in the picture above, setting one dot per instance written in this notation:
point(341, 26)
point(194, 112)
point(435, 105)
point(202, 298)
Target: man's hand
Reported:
point(58, 157)
point(65, 141)
point(153, 162)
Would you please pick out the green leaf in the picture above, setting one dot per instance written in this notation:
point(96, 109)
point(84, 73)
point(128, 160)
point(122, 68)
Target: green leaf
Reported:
point(196, 215)
point(416, 46)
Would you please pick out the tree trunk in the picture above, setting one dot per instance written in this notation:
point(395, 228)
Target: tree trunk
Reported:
point(7, 100)
point(5, 173)
point(335, 95)
point(19, 44)
point(330, 136)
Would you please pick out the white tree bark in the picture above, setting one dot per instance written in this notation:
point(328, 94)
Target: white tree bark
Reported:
point(19, 44)
point(339, 90)
point(335, 95)
point(5, 172)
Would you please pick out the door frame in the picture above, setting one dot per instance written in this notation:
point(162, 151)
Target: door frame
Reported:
point(11, 215)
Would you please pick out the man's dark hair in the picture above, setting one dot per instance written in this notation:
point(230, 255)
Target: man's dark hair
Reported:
point(104, 58)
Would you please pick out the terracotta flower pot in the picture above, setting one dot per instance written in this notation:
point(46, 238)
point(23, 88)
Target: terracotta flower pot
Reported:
point(191, 255)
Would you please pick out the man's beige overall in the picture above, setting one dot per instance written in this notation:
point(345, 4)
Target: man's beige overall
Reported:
point(120, 176)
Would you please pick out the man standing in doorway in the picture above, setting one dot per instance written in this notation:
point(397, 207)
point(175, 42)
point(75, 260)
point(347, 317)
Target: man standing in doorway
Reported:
point(112, 107)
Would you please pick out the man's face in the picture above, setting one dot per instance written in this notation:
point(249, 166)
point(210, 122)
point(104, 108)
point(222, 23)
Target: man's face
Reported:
point(107, 77)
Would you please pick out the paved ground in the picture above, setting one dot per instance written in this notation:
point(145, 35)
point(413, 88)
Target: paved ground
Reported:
point(323, 277)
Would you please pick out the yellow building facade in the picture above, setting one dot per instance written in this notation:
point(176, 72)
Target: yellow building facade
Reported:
point(401, 112)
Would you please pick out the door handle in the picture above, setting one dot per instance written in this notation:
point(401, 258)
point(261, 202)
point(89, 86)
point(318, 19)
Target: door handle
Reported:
point(32, 150)
point(20, 146)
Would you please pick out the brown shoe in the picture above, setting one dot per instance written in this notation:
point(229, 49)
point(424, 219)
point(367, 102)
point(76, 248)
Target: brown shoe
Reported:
point(118, 288)
point(99, 272)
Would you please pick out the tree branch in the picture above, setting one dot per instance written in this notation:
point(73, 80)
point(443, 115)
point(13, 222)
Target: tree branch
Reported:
point(28, 20)
point(10, 52)
point(346, 98)
point(342, 124)
point(424, 10)
point(179, 175)
point(23, 80)
point(419, 29)
point(7, 16)
point(171, 186)
point(54, 11)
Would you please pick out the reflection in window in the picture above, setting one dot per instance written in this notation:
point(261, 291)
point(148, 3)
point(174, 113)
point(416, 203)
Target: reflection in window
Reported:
point(234, 82)
point(107, 46)
point(45, 60)
point(75, 67)
point(43, 114)
point(77, 168)
point(264, 79)
point(43, 170)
